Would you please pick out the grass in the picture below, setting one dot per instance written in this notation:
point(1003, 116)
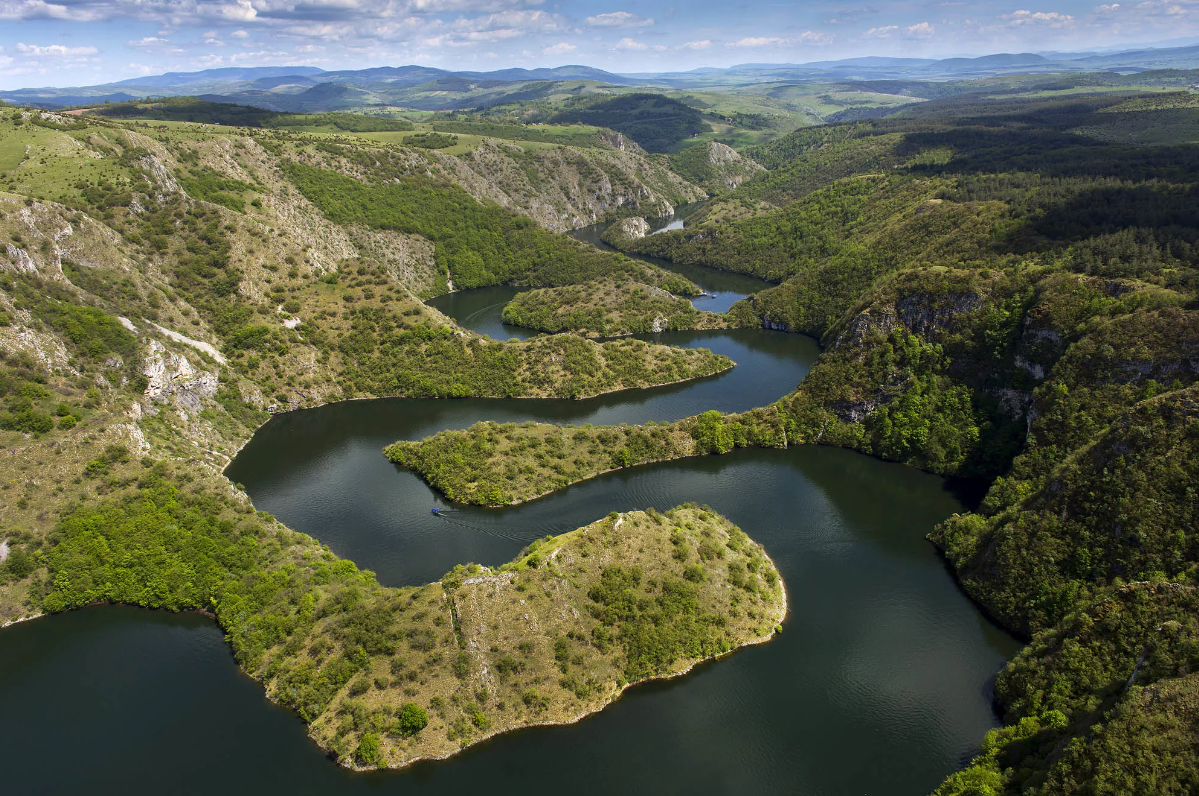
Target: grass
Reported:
point(12, 152)
point(97, 467)
point(492, 464)
point(488, 651)
point(607, 308)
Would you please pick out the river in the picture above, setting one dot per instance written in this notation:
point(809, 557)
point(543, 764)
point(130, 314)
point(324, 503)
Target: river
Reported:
point(879, 683)
point(481, 309)
point(723, 288)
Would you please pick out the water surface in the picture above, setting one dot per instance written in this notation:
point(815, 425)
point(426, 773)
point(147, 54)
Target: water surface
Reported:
point(482, 310)
point(879, 683)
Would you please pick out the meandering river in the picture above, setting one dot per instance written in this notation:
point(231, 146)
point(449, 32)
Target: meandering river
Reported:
point(879, 683)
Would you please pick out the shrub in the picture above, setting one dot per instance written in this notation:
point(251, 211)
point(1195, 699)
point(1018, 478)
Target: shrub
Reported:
point(412, 720)
point(369, 753)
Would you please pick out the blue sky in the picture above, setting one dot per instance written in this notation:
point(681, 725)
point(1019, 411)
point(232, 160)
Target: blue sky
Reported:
point(80, 42)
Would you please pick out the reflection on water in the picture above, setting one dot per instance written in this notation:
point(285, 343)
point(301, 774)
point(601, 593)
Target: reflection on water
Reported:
point(481, 310)
point(878, 683)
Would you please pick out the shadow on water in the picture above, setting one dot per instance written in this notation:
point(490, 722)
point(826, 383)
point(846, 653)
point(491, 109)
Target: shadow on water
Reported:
point(876, 685)
point(481, 309)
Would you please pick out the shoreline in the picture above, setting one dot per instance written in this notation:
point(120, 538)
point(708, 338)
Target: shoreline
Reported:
point(549, 492)
point(616, 695)
point(233, 455)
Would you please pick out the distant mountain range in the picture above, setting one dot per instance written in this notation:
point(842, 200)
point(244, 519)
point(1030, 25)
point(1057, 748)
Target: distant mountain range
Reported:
point(306, 88)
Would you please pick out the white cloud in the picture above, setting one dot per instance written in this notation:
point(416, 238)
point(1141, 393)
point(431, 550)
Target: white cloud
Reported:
point(629, 44)
point(561, 48)
point(54, 50)
point(814, 37)
point(618, 19)
point(5, 60)
point(240, 34)
point(444, 6)
point(38, 9)
point(884, 32)
point(921, 30)
point(242, 11)
point(761, 41)
point(1052, 19)
point(148, 41)
point(696, 45)
point(465, 32)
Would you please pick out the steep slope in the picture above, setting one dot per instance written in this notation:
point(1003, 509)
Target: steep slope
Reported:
point(1007, 300)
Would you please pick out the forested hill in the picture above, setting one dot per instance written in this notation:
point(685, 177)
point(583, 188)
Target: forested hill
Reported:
point(656, 122)
point(1010, 290)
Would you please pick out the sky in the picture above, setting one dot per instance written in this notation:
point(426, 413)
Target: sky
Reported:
point(85, 42)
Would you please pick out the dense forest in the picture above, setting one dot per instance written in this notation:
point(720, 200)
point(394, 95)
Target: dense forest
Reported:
point(1007, 291)
point(655, 122)
point(190, 109)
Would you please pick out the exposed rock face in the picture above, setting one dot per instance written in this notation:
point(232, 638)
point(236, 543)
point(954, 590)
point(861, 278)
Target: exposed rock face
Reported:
point(1034, 369)
point(856, 411)
point(866, 325)
point(926, 314)
point(172, 376)
point(629, 228)
point(715, 167)
point(199, 345)
point(568, 187)
point(730, 167)
point(164, 181)
point(21, 260)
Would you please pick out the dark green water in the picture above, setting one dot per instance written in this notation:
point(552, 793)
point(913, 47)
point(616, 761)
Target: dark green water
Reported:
point(481, 310)
point(879, 683)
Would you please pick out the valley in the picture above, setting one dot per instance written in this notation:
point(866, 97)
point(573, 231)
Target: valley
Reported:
point(461, 420)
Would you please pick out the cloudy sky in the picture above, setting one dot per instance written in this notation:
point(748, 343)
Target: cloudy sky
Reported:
point(80, 42)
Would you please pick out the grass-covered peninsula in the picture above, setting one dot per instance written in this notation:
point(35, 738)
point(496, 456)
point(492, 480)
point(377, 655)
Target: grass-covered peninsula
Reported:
point(1003, 296)
point(608, 308)
point(496, 464)
point(386, 676)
